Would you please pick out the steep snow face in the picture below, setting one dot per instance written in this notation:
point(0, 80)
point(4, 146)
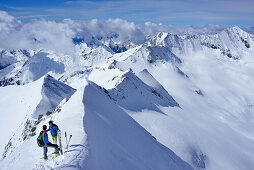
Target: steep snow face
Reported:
point(17, 102)
point(154, 54)
point(144, 57)
point(107, 75)
point(119, 47)
point(231, 42)
point(93, 56)
point(30, 69)
point(116, 141)
point(38, 66)
point(133, 94)
point(6, 59)
point(52, 92)
point(175, 43)
point(132, 91)
point(11, 60)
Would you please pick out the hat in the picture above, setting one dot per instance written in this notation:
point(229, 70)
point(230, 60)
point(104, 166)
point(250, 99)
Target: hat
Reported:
point(44, 127)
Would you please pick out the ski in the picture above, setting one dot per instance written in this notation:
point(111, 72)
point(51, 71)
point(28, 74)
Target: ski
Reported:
point(60, 142)
point(51, 155)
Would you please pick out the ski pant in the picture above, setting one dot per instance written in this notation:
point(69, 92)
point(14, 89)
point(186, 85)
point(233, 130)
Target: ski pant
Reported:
point(45, 149)
point(54, 138)
point(58, 137)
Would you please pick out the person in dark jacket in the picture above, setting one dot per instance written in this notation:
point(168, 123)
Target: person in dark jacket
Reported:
point(56, 134)
point(47, 143)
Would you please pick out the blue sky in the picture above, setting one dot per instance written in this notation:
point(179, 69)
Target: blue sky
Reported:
point(176, 12)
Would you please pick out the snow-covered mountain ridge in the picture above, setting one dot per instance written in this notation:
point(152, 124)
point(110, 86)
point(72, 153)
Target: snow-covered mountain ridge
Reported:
point(231, 42)
point(172, 102)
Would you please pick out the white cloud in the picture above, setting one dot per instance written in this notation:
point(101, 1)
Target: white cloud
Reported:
point(58, 36)
point(37, 34)
point(129, 30)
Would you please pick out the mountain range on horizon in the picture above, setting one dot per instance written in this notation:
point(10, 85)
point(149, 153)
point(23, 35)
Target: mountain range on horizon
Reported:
point(132, 96)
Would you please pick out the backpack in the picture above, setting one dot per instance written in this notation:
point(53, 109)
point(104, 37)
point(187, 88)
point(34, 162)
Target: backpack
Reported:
point(40, 141)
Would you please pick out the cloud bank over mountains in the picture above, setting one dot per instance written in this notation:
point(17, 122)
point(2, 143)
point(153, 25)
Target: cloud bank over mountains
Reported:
point(58, 36)
point(37, 34)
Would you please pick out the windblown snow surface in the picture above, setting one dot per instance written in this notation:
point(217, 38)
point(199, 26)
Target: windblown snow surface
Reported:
point(177, 102)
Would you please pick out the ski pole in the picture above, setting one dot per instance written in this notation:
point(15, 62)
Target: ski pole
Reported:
point(69, 142)
point(66, 138)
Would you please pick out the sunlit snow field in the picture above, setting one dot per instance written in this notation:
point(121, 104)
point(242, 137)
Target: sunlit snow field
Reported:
point(166, 101)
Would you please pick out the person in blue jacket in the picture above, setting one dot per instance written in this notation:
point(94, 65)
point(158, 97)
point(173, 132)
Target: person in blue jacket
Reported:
point(47, 143)
point(53, 128)
point(55, 133)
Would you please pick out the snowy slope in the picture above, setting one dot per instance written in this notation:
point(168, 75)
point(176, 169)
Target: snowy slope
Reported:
point(132, 93)
point(215, 95)
point(33, 105)
point(69, 117)
point(173, 102)
point(92, 145)
point(30, 69)
point(9, 57)
point(16, 103)
point(232, 42)
point(94, 56)
point(52, 92)
point(116, 141)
